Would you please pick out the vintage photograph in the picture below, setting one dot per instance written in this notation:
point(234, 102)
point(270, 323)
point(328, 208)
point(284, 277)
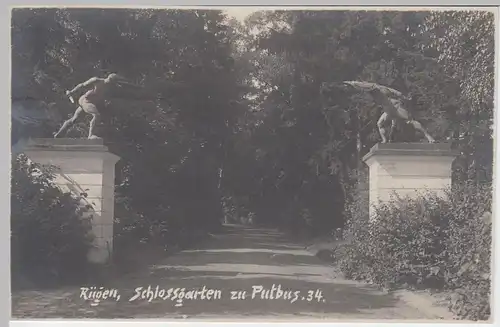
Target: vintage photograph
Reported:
point(230, 163)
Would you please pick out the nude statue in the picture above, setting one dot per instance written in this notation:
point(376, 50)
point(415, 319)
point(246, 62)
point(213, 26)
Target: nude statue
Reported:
point(90, 101)
point(392, 102)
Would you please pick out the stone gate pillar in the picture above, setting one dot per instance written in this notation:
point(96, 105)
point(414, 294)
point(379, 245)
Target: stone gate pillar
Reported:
point(84, 167)
point(407, 169)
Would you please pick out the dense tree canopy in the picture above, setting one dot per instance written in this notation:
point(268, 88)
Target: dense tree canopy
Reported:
point(236, 118)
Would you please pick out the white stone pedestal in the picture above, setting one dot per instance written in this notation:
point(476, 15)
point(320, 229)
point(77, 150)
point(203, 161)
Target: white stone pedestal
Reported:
point(85, 167)
point(407, 169)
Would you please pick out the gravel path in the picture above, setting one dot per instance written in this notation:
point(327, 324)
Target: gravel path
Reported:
point(241, 273)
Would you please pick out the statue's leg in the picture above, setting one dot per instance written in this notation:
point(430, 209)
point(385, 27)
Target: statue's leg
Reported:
point(69, 122)
point(380, 125)
point(393, 127)
point(93, 123)
point(90, 108)
point(420, 128)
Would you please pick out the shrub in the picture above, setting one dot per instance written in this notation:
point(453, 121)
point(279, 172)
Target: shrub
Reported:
point(429, 242)
point(49, 237)
point(140, 239)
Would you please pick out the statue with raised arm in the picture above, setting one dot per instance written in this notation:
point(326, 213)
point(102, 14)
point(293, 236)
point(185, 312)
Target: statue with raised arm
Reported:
point(392, 103)
point(90, 102)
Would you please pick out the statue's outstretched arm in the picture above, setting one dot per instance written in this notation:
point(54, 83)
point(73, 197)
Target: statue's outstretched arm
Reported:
point(391, 91)
point(84, 84)
point(362, 86)
point(367, 86)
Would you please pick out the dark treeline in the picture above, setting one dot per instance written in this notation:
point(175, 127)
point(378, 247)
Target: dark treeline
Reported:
point(231, 121)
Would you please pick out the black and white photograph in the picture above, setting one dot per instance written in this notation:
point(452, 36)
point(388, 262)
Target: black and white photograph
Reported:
point(301, 164)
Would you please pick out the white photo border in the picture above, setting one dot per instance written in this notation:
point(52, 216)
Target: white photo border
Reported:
point(5, 306)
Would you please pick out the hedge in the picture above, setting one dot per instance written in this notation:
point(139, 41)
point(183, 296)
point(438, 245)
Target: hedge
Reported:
point(429, 242)
point(49, 237)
